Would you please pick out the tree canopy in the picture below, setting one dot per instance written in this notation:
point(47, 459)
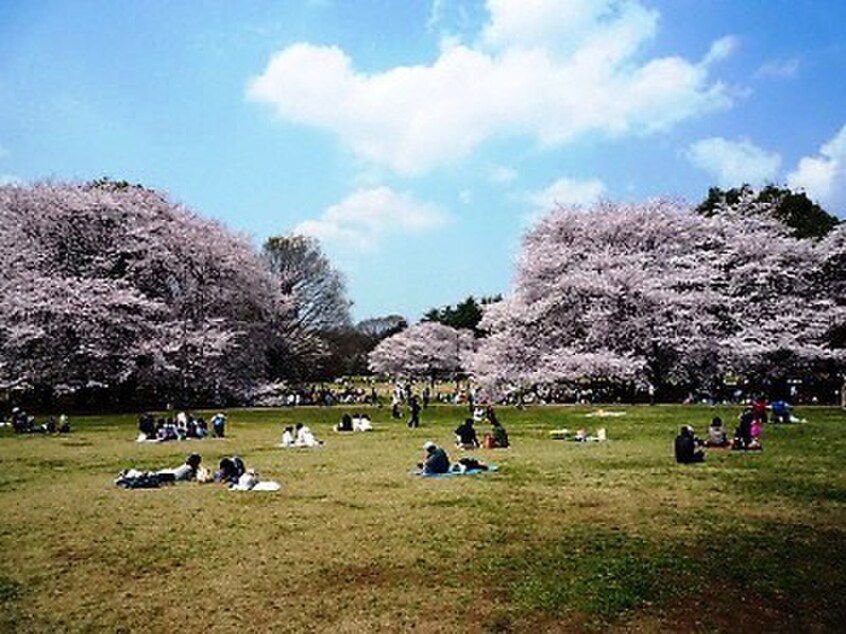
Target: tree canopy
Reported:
point(466, 314)
point(111, 286)
point(653, 293)
point(425, 350)
point(795, 210)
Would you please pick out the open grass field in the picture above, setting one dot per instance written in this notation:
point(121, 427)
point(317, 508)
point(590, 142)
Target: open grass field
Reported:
point(564, 537)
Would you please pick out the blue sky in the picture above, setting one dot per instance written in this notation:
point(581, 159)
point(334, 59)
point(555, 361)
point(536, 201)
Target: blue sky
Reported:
point(418, 140)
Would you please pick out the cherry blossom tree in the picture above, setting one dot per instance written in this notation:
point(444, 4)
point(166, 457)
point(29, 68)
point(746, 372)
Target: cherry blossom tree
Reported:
point(426, 350)
point(654, 293)
point(115, 286)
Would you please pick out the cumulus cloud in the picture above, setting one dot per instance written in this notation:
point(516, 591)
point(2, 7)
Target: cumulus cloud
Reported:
point(823, 177)
point(568, 191)
point(546, 70)
point(734, 163)
point(362, 219)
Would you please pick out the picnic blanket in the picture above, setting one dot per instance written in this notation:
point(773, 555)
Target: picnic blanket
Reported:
point(566, 434)
point(458, 472)
point(601, 413)
point(265, 485)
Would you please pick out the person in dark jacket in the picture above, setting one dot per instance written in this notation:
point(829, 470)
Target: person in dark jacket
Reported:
point(435, 461)
point(743, 433)
point(465, 435)
point(414, 408)
point(686, 452)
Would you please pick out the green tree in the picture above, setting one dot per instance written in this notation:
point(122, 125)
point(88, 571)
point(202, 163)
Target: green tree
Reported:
point(464, 315)
point(804, 217)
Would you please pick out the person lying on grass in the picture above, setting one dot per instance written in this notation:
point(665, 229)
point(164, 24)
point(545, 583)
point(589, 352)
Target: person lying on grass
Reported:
point(133, 478)
point(238, 478)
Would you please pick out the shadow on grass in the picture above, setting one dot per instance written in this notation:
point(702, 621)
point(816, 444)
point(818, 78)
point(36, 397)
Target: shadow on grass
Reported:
point(597, 578)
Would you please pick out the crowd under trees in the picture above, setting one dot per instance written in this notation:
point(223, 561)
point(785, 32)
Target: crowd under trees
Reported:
point(114, 296)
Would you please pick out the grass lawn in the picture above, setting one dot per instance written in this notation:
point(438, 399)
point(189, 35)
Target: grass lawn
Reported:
point(564, 537)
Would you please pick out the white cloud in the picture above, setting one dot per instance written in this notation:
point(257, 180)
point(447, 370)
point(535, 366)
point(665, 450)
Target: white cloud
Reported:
point(436, 14)
point(734, 163)
point(722, 49)
point(823, 177)
point(779, 68)
point(9, 179)
point(568, 191)
point(542, 69)
point(362, 219)
point(502, 175)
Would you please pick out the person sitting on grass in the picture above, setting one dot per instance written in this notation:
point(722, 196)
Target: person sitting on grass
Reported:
point(218, 422)
point(147, 426)
point(498, 437)
point(231, 469)
point(743, 435)
point(346, 423)
point(745, 438)
point(435, 460)
point(465, 435)
point(305, 438)
point(686, 451)
point(361, 422)
point(287, 437)
point(717, 436)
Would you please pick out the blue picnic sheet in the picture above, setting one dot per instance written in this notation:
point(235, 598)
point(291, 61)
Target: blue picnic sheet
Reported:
point(451, 473)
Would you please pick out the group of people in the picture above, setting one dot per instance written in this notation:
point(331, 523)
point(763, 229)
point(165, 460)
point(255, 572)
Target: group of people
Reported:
point(356, 422)
point(231, 472)
point(23, 423)
point(466, 437)
point(299, 436)
point(747, 434)
point(181, 427)
point(436, 462)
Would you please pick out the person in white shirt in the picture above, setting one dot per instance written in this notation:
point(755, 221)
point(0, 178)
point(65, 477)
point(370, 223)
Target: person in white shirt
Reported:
point(305, 438)
point(287, 437)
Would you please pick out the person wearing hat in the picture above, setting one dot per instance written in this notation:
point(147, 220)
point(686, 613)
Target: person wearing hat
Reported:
point(686, 452)
point(435, 460)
